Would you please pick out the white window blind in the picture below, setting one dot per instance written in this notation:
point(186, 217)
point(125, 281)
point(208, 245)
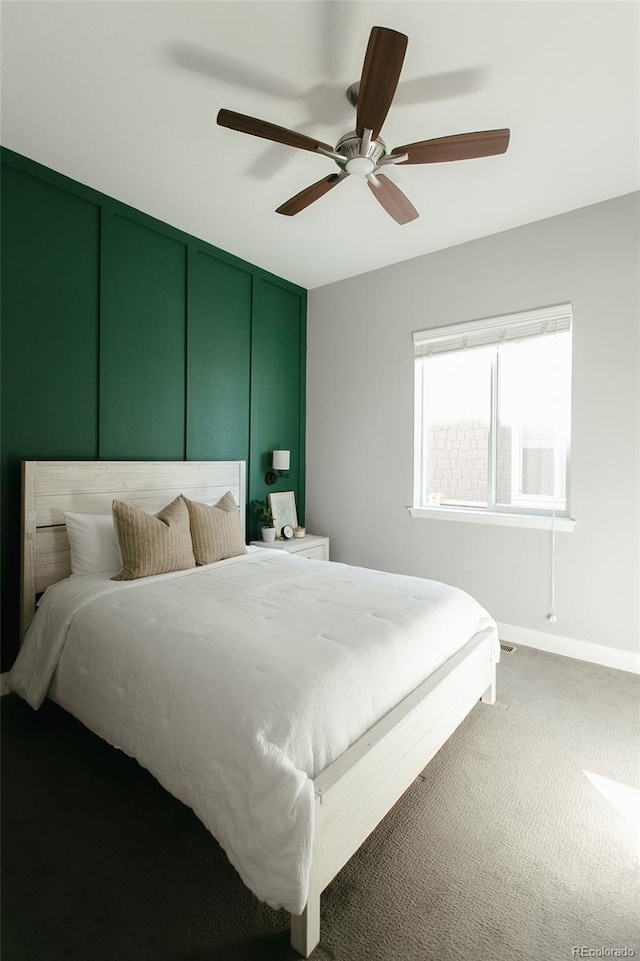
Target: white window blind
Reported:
point(493, 330)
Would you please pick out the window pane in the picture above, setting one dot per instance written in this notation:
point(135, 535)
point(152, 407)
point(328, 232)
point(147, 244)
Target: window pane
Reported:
point(456, 410)
point(534, 386)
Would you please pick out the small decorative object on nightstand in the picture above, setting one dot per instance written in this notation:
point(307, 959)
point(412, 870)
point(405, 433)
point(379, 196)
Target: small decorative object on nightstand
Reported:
point(262, 511)
point(314, 546)
point(283, 509)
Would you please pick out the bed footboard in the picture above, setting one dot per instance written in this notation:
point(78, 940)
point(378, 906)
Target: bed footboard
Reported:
point(355, 792)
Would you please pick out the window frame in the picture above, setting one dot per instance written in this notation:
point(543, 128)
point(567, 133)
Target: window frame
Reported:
point(489, 331)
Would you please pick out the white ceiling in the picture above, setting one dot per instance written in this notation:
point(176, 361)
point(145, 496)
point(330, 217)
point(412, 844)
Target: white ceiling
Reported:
point(123, 96)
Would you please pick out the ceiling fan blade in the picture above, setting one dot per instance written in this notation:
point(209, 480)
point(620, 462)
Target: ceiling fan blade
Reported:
point(310, 194)
point(268, 131)
point(462, 146)
point(380, 74)
point(393, 200)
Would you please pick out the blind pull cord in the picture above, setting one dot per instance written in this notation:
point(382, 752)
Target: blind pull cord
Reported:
point(552, 617)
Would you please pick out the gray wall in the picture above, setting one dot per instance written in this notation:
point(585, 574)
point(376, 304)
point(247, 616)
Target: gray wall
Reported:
point(360, 420)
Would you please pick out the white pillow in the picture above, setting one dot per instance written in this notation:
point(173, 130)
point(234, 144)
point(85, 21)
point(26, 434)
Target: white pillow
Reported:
point(93, 542)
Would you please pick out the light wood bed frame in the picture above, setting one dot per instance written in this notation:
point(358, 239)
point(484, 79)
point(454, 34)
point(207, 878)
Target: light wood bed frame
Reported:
point(356, 791)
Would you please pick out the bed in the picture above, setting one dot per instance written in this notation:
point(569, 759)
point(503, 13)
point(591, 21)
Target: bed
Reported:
point(290, 707)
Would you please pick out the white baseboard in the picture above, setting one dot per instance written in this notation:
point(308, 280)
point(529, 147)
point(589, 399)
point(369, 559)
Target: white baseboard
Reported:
point(4, 686)
point(570, 647)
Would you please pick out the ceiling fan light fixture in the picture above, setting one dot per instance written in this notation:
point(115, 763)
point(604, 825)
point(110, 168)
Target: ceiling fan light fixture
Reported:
point(361, 166)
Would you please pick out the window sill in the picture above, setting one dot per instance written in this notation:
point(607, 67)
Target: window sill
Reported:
point(469, 515)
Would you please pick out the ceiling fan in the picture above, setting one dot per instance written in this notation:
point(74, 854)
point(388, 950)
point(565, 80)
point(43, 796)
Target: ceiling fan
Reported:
point(362, 152)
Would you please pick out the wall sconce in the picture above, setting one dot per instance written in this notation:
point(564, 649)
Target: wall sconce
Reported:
point(280, 460)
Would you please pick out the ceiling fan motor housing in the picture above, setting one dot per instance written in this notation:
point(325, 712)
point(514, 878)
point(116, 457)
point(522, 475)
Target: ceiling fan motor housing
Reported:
point(350, 147)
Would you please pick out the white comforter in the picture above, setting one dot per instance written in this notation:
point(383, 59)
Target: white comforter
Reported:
point(236, 683)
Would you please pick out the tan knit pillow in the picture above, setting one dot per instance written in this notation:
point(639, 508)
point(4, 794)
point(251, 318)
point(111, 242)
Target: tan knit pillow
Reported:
point(152, 543)
point(216, 531)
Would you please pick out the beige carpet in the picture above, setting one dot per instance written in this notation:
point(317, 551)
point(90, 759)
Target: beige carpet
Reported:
point(503, 850)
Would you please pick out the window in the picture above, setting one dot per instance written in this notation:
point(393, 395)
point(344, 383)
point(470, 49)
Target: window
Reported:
point(493, 414)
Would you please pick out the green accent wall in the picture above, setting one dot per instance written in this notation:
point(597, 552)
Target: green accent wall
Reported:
point(143, 333)
point(125, 338)
point(277, 376)
point(218, 392)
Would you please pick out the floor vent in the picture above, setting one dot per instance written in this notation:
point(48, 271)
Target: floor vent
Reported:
point(507, 648)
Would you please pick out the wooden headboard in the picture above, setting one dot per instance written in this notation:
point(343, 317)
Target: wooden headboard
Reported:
point(90, 487)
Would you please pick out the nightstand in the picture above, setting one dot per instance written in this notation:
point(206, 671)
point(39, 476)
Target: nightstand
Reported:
point(311, 545)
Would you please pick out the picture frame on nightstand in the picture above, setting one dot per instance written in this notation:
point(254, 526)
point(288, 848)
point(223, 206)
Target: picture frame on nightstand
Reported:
point(283, 509)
